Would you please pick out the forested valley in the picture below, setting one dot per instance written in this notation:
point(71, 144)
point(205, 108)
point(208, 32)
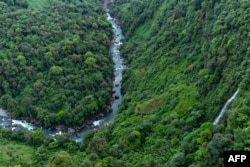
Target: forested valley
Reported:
point(185, 60)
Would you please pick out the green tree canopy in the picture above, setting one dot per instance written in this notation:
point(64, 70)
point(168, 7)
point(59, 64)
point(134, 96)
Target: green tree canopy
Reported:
point(61, 159)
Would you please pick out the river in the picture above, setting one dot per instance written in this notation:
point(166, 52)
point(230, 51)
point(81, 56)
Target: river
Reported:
point(119, 66)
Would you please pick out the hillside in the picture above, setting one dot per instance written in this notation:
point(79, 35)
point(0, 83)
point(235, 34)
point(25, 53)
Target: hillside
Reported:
point(185, 60)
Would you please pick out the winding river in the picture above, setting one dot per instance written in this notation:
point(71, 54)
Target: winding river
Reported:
point(7, 122)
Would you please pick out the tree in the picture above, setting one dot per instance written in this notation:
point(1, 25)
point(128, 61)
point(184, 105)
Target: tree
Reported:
point(37, 137)
point(177, 160)
point(90, 62)
point(134, 140)
point(61, 159)
point(60, 116)
point(21, 59)
point(56, 70)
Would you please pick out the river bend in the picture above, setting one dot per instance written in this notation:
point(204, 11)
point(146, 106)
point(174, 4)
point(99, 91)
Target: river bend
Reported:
point(118, 63)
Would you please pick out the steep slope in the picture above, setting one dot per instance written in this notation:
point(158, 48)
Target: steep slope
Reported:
point(185, 60)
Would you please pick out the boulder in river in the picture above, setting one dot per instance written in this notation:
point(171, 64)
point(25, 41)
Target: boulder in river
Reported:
point(110, 110)
point(3, 113)
point(60, 128)
point(71, 130)
point(125, 62)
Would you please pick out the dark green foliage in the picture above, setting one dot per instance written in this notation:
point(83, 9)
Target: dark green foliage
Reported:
point(17, 3)
point(55, 62)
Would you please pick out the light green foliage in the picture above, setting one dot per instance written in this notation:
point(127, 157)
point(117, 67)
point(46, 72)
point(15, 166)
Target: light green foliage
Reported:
point(134, 140)
point(13, 153)
point(61, 159)
point(108, 162)
point(56, 70)
point(21, 58)
point(60, 116)
point(90, 61)
point(38, 4)
point(37, 137)
point(89, 54)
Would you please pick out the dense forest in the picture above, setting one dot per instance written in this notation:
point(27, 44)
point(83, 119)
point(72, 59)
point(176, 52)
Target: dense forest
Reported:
point(55, 62)
point(185, 60)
